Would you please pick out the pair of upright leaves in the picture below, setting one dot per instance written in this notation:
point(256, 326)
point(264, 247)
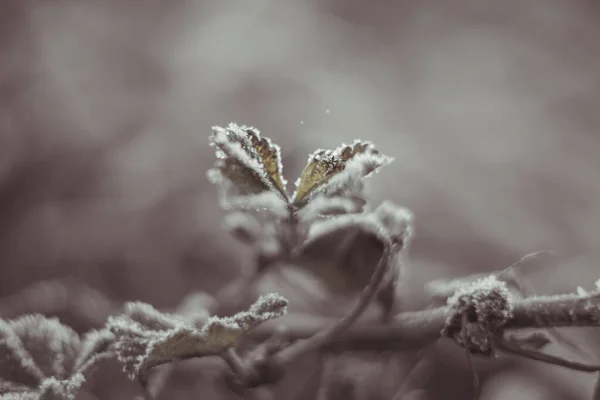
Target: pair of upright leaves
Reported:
point(250, 165)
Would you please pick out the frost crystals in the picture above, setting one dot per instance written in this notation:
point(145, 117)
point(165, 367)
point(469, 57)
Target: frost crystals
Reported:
point(43, 359)
point(478, 313)
point(249, 165)
point(147, 338)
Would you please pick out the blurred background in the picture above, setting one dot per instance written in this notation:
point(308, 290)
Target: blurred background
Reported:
point(490, 109)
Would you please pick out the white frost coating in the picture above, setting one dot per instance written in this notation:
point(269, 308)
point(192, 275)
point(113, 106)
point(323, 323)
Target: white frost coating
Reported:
point(270, 201)
point(233, 142)
point(489, 301)
point(389, 222)
point(581, 291)
point(349, 180)
point(150, 318)
point(367, 222)
point(357, 169)
point(479, 288)
point(53, 373)
point(323, 206)
point(52, 388)
point(141, 347)
point(15, 356)
point(398, 221)
point(243, 226)
point(59, 341)
point(94, 347)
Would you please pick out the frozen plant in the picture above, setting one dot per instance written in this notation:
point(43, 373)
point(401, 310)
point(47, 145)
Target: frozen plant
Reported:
point(328, 228)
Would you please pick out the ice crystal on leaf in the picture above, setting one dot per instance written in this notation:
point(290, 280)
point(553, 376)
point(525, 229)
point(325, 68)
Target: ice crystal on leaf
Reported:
point(338, 172)
point(249, 170)
point(147, 338)
point(43, 359)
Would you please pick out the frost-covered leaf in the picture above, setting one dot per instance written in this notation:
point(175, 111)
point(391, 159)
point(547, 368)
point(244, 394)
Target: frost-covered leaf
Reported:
point(95, 346)
point(12, 387)
point(343, 251)
point(42, 358)
point(338, 172)
point(144, 344)
point(150, 318)
point(52, 345)
point(267, 201)
point(243, 226)
point(16, 364)
point(396, 221)
point(54, 389)
point(250, 162)
point(322, 206)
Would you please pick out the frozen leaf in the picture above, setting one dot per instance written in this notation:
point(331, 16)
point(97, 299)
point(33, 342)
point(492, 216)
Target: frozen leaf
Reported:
point(262, 201)
point(140, 347)
point(12, 387)
point(343, 251)
point(17, 365)
point(243, 226)
point(396, 221)
point(322, 206)
point(338, 172)
point(54, 389)
point(42, 358)
point(150, 318)
point(95, 346)
point(249, 172)
point(52, 345)
point(250, 162)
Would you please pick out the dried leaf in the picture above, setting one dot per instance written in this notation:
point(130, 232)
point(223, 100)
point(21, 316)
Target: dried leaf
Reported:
point(358, 160)
point(144, 344)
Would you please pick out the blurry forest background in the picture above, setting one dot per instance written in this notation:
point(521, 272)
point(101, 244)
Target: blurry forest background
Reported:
point(491, 110)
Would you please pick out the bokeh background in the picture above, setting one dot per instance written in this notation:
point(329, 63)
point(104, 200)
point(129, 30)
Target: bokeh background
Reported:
point(491, 110)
